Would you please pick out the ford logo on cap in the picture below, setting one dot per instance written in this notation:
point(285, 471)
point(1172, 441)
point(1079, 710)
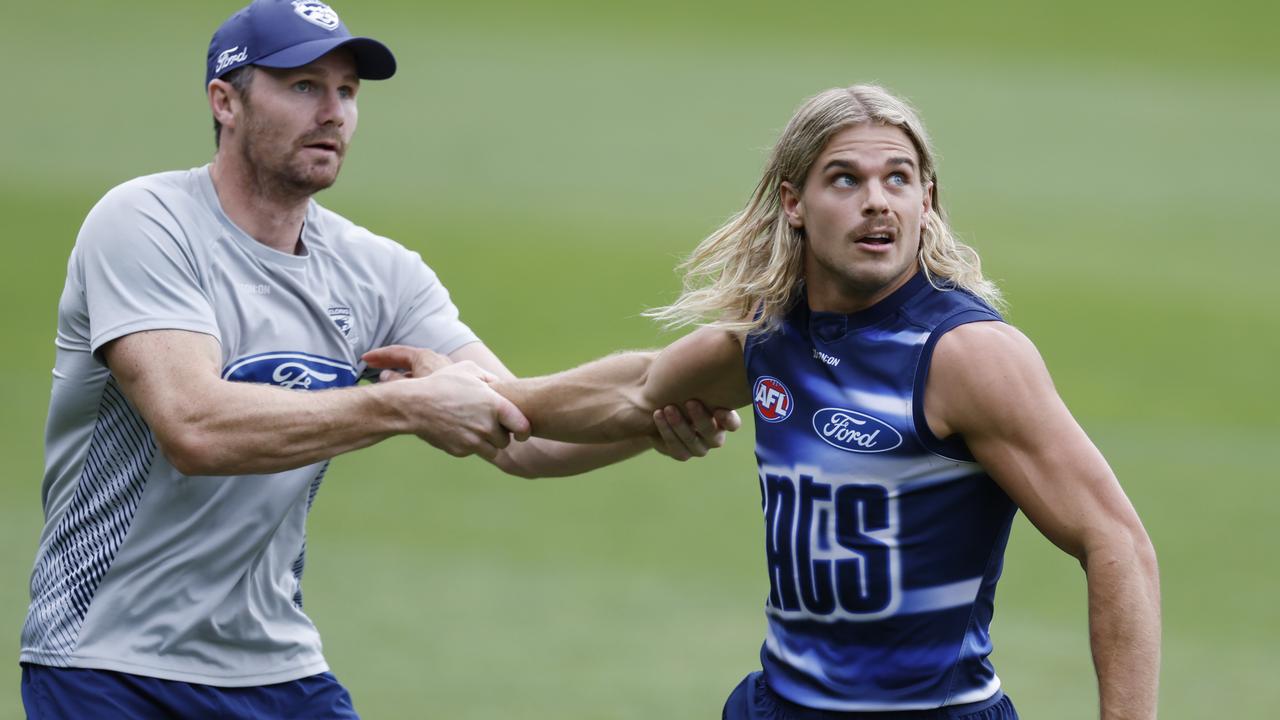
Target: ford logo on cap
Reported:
point(854, 431)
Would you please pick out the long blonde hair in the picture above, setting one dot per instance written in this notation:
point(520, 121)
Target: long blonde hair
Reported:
point(745, 275)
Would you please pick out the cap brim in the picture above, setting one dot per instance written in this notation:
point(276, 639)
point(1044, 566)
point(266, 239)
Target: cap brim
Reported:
point(374, 60)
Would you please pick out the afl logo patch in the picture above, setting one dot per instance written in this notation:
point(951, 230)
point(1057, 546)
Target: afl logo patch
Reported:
point(772, 399)
point(854, 431)
point(293, 370)
point(316, 13)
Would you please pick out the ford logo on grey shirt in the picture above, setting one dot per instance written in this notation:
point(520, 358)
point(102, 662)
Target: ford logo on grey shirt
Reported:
point(293, 370)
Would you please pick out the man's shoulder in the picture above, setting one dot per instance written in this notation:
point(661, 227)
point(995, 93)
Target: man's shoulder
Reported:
point(980, 375)
point(987, 342)
point(335, 230)
point(942, 302)
point(354, 244)
point(987, 360)
point(175, 192)
point(167, 183)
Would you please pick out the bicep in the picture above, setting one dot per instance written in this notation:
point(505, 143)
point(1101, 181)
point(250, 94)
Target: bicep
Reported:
point(165, 374)
point(704, 365)
point(991, 387)
point(1056, 476)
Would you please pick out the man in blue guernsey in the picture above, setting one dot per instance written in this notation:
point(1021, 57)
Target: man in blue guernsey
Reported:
point(198, 307)
point(900, 423)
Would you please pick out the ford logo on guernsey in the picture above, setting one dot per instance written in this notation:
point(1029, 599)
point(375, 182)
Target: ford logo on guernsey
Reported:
point(854, 431)
point(293, 370)
point(772, 399)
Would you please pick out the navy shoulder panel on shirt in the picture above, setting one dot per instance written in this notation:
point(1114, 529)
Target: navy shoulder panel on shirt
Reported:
point(940, 310)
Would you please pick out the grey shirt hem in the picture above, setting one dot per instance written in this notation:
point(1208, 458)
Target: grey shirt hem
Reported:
point(163, 673)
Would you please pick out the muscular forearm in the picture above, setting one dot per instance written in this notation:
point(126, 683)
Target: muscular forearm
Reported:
point(240, 428)
point(613, 398)
point(539, 457)
point(602, 401)
point(1124, 626)
point(206, 425)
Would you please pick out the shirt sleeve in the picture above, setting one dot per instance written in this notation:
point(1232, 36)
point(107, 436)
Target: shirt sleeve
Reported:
point(139, 270)
point(426, 316)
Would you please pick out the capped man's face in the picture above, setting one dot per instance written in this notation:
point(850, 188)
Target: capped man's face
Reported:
point(862, 209)
point(298, 123)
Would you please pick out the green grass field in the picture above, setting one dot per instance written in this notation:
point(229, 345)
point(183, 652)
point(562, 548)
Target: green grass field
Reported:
point(1114, 163)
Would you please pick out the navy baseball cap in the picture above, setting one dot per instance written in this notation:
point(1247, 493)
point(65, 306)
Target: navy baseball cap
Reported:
point(289, 34)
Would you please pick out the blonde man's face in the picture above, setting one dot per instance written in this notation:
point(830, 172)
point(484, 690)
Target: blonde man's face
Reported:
point(862, 210)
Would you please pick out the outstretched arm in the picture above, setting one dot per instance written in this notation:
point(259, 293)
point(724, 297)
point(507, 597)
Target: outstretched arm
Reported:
point(209, 426)
point(616, 397)
point(988, 383)
point(572, 440)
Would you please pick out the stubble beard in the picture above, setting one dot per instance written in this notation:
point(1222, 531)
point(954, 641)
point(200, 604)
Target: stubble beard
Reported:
point(866, 279)
point(278, 170)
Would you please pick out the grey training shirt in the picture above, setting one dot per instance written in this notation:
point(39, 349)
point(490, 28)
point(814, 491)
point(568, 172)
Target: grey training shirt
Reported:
point(142, 569)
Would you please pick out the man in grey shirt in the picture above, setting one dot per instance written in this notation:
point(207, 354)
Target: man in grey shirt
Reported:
point(198, 304)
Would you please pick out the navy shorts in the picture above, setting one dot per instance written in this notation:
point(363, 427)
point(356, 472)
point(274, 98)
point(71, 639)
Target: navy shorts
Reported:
point(753, 700)
point(50, 693)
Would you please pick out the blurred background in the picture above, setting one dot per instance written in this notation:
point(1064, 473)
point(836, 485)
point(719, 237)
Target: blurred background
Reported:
point(1114, 163)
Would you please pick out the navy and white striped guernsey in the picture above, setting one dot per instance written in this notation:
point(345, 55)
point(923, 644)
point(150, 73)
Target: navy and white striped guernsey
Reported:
point(883, 543)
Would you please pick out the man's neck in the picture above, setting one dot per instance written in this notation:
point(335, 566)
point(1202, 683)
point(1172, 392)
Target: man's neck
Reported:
point(272, 218)
point(840, 298)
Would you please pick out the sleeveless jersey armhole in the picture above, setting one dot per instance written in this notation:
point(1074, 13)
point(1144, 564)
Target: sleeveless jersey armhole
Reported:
point(952, 448)
point(749, 344)
point(752, 339)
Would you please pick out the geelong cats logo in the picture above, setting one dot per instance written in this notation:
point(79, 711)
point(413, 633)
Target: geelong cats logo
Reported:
point(316, 13)
point(853, 431)
point(341, 316)
point(293, 370)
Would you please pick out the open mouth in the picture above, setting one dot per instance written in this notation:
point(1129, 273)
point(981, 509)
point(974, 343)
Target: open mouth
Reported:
point(323, 145)
point(876, 238)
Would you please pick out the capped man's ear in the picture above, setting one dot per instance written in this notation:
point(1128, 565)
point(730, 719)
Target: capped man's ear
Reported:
point(792, 205)
point(224, 102)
